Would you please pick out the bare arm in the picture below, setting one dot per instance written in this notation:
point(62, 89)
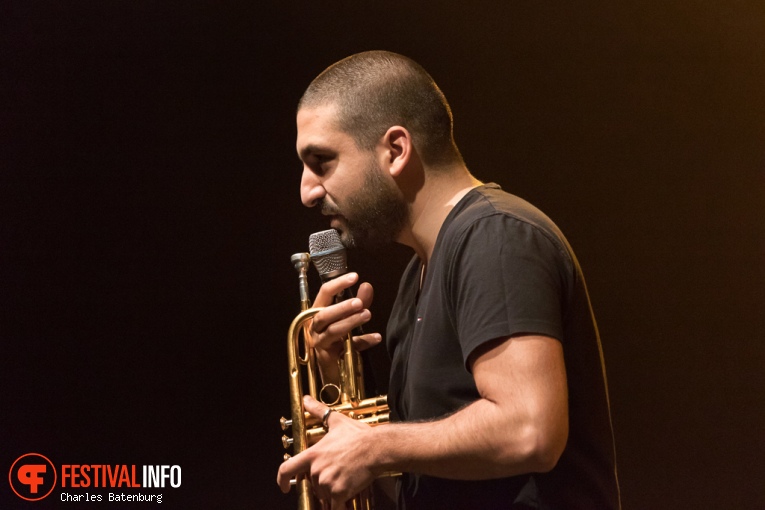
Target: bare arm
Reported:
point(519, 425)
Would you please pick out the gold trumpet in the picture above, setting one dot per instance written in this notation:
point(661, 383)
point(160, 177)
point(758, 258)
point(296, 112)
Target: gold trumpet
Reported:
point(346, 398)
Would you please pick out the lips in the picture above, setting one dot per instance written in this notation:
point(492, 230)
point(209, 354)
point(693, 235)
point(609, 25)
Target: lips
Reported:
point(336, 220)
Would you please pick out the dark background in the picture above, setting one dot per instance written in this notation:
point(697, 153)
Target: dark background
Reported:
point(149, 205)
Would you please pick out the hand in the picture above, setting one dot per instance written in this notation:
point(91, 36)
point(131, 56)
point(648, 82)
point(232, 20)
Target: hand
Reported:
point(330, 326)
point(339, 465)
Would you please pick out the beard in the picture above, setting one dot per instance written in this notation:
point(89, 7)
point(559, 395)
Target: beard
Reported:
point(374, 215)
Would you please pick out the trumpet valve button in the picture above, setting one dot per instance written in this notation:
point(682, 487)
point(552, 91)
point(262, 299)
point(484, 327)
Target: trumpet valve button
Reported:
point(287, 441)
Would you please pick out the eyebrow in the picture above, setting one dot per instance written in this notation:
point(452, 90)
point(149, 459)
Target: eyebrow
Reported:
point(310, 149)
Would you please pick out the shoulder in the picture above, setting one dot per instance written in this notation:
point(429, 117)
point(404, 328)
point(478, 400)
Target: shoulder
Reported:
point(489, 216)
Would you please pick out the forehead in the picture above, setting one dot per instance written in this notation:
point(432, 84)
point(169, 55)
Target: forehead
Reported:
point(317, 131)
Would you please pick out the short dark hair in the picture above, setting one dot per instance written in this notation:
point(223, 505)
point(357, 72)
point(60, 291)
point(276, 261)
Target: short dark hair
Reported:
point(375, 90)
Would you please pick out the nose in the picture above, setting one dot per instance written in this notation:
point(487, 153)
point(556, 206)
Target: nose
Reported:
point(311, 189)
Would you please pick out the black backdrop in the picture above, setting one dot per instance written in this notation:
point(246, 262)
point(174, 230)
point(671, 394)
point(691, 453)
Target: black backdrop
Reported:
point(149, 206)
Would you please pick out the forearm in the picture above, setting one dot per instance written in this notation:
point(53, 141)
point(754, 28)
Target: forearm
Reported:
point(481, 441)
point(519, 425)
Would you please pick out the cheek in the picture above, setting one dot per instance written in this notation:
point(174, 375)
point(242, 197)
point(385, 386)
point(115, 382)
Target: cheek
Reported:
point(329, 205)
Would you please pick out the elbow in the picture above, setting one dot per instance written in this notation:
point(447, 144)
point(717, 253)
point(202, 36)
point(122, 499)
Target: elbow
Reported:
point(546, 449)
point(535, 450)
point(541, 448)
point(545, 459)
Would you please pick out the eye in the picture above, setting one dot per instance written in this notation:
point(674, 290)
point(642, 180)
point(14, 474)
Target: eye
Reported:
point(322, 163)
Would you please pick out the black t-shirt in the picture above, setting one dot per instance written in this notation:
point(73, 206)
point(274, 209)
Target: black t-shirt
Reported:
point(500, 267)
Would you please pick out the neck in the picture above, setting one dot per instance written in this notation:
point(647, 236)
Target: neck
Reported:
point(431, 205)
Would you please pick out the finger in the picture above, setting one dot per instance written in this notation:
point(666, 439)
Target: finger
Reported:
point(333, 287)
point(317, 410)
point(320, 492)
point(366, 294)
point(329, 339)
point(314, 407)
point(364, 342)
point(332, 324)
point(289, 469)
point(331, 314)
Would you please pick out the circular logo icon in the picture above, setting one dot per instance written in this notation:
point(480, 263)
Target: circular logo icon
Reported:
point(32, 477)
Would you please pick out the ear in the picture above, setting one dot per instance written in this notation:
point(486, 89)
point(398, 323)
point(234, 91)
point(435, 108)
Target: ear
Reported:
point(397, 149)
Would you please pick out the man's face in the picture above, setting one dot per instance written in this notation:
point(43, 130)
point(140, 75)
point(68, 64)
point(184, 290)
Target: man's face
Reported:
point(348, 183)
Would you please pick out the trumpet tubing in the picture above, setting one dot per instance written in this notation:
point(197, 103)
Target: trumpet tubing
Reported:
point(307, 430)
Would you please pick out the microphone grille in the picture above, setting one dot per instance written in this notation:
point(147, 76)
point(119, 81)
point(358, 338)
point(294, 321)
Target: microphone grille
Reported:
point(328, 254)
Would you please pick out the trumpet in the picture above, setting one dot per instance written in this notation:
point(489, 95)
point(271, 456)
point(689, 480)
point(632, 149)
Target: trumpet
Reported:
point(347, 397)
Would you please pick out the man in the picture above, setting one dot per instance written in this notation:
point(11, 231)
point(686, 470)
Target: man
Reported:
point(497, 387)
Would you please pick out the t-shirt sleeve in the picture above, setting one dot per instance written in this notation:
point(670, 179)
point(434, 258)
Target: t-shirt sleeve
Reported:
point(506, 277)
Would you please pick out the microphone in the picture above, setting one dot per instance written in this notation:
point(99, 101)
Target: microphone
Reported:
point(328, 254)
point(329, 258)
